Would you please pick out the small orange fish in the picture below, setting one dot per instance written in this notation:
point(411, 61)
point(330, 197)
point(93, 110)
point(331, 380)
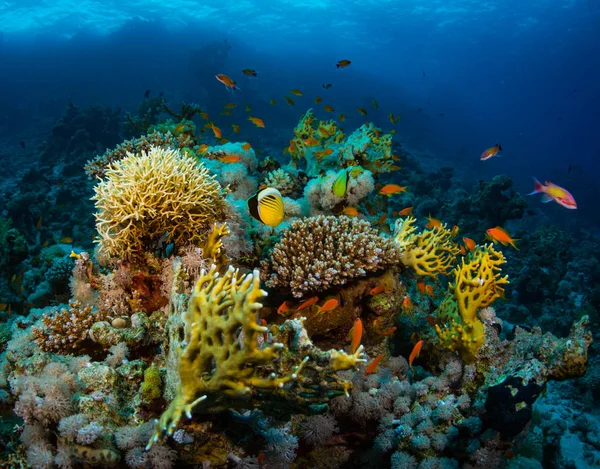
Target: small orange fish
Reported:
point(362, 110)
point(178, 129)
point(318, 100)
point(342, 117)
point(376, 290)
point(66, 240)
point(272, 102)
point(431, 320)
point(387, 332)
point(246, 146)
point(329, 305)
point(429, 291)
point(469, 243)
point(433, 222)
point(308, 303)
point(203, 148)
point(296, 92)
point(350, 211)
point(490, 152)
point(355, 335)
point(391, 189)
point(257, 122)
point(230, 159)
point(405, 211)
point(375, 104)
point(501, 235)
point(204, 115)
point(226, 112)
point(236, 128)
point(38, 224)
point(454, 231)
point(382, 219)
point(228, 82)
point(415, 353)
point(421, 286)
point(373, 365)
point(392, 118)
point(290, 101)
point(407, 304)
point(265, 333)
point(342, 63)
point(283, 308)
point(216, 130)
point(249, 72)
point(230, 106)
point(311, 142)
point(328, 108)
point(247, 107)
point(327, 152)
point(223, 141)
point(462, 250)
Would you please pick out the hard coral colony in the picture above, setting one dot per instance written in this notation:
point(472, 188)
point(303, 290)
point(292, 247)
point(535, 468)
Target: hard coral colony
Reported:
point(172, 353)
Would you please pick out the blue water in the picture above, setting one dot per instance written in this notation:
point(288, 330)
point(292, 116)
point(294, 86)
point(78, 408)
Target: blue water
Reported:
point(464, 75)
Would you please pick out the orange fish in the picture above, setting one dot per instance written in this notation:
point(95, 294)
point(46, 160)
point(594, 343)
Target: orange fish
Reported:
point(501, 235)
point(326, 152)
point(329, 305)
point(405, 211)
point(216, 130)
point(362, 110)
point(429, 290)
point(433, 222)
point(203, 148)
point(230, 106)
point(342, 117)
point(283, 308)
point(355, 335)
point(407, 304)
point(350, 211)
point(421, 286)
point(296, 92)
point(257, 122)
point(66, 240)
point(230, 159)
point(265, 333)
point(38, 224)
point(382, 219)
point(249, 72)
point(226, 113)
point(376, 290)
point(318, 100)
point(469, 243)
point(223, 141)
point(272, 102)
point(490, 152)
point(391, 189)
point(431, 320)
point(373, 365)
point(228, 82)
point(246, 146)
point(290, 101)
point(328, 109)
point(454, 231)
point(308, 303)
point(415, 353)
point(178, 129)
point(387, 332)
point(204, 115)
point(311, 142)
point(342, 63)
point(462, 250)
point(236, 128)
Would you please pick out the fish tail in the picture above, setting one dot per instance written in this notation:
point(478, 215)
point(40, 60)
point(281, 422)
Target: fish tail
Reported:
point(538, 187)
point(514, 244)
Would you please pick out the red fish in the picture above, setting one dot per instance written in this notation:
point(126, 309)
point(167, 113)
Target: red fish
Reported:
point(551, 192)
point(308, 303)
point(283, 308)
point(228, 82)
point(376, 290)
point(355, 335)
point(329, 305)
point(490, 152)
point(415, 353)
point(373, 365)
point(387, 332)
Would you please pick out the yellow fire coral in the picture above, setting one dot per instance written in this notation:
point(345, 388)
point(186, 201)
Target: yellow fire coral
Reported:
point(226, 356)
point(430, 252)
point(161, 194)
point(477, 283)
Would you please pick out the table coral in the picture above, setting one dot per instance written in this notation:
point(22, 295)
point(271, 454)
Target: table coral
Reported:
point(477, 283)
point(146, 197)
point(317, 253)
point(430, 252)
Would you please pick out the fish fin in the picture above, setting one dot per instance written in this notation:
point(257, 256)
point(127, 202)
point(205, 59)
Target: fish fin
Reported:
point(538, 187)
point(514, 245)
point(546, 198)
point(499, 146)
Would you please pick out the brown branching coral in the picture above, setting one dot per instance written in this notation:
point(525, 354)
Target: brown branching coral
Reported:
point(160, 195)
point(317, 253)
point(97, 167)
point(65, 331)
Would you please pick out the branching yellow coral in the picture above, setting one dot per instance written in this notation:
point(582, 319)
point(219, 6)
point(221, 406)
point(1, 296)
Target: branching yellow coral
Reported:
point(477, 283)
point(430, 252)
point(161, 194)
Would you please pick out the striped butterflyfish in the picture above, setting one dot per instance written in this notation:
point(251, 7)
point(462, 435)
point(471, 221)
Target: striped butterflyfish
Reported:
point(267, 206)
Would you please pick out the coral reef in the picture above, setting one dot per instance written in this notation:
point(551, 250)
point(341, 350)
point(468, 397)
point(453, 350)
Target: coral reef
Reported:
point(320, 252)
point(149, 196)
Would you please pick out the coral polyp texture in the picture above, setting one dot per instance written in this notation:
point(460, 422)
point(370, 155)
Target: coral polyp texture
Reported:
point(430, 252)
point(318, 253)
point(155, 195)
